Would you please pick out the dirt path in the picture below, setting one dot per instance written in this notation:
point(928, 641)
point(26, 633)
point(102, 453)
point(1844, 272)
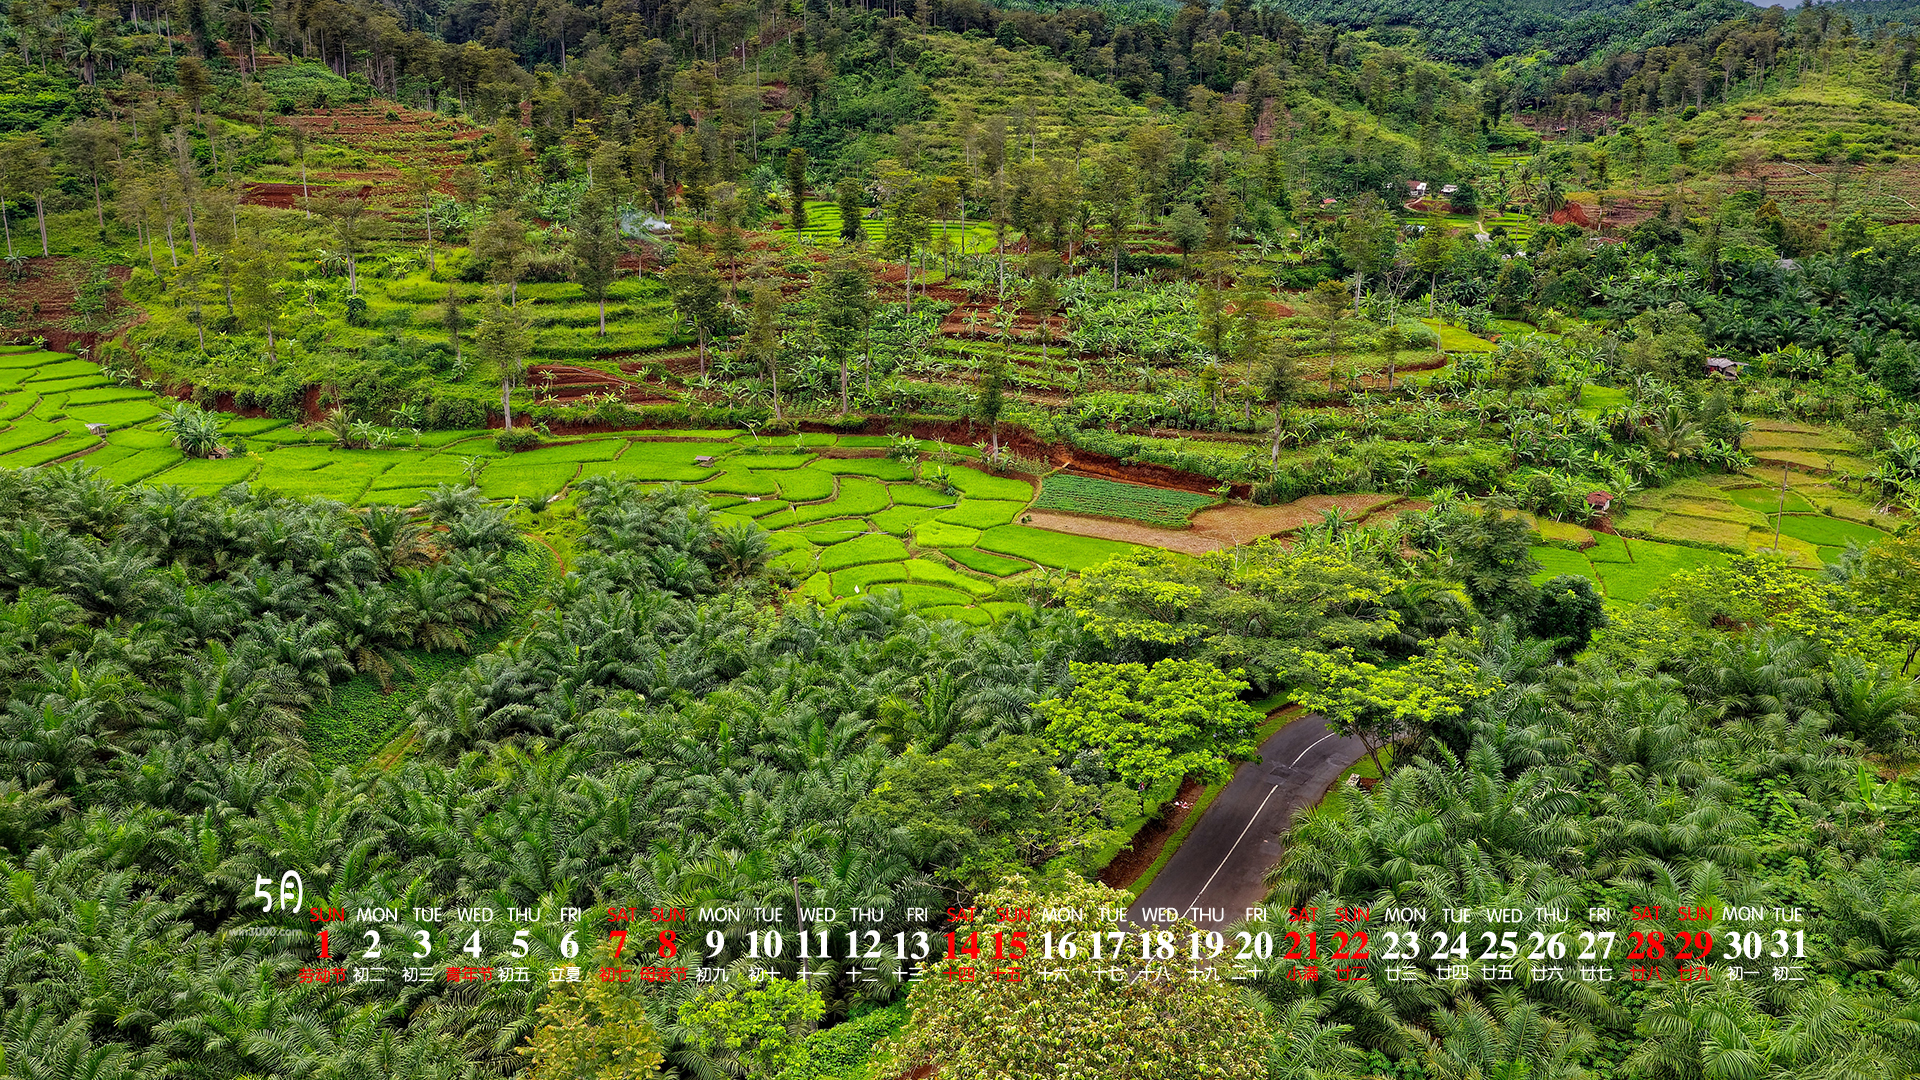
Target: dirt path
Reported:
point(1220, 527)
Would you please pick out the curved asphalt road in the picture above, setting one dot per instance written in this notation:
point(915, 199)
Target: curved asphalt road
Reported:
point(1218, 873)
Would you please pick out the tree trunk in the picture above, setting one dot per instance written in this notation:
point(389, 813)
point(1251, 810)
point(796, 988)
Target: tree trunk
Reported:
point(1274, 459)
point(272, 353)
point(506, 401)
point(99, 210)
point(603, 315)
point(843, 384)
point(7, 226)
point(773, 373)
point(353, 276)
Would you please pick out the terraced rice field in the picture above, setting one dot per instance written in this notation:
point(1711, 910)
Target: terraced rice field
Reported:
point(1816, 517)
point(843, 526)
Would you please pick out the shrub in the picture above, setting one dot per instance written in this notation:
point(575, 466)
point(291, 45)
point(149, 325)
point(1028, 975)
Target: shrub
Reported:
point(517, 439)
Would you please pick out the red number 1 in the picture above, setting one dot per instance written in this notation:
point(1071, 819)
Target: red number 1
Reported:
point(324, 955)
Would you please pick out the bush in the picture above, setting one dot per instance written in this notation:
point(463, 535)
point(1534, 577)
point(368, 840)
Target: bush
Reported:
point(517, 439)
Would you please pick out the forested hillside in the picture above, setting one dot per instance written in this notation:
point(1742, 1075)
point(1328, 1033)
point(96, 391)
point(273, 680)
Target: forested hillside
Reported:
point(542, 539)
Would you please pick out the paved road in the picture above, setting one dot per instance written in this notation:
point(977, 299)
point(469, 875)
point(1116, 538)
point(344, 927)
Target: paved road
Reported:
point(1217, 874)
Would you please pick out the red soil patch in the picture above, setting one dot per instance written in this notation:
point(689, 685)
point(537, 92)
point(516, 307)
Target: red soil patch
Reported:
point(288, 196)
point(1576, 213)
point(567, 384)
point(1127, 866)
point(44, 298)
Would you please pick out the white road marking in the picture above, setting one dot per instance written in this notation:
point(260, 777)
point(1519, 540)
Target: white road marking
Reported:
point(1236, 843)
point(1316, 742)
point(1249, 828)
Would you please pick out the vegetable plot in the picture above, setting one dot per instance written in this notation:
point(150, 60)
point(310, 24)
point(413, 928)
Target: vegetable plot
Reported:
point(1111, 498)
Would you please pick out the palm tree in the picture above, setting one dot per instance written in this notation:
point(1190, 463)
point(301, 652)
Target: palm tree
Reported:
point(1674, 435)
point(372, 623)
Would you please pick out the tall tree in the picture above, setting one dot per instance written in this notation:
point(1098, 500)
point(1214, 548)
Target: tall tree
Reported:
point(257, 299)
point(847, 199)
point(843, 297)
point(503, 342)
point(421, 182)
point(90, 148)
point(31, 168)
point(695, 288)
point(501, 244)
point(351, 226)
point(797, 187)
point(1116, 203)
point(1366, 236)
point(596, 248)
point(990, 399)
point(1329, 306)
point(452, 320)
point(762, 341)
point(906, 220)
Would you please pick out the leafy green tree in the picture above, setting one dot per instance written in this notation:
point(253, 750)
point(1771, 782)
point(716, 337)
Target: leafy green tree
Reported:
point(1278, 385)
point(1666, 343)
point(1569, 610)
point(28, 170)
point(1184, 1024)
point(257, 298)
point(906, 224)
point(1433, 255)
point(1116, 203)
point(847, 200)
point(421, 183)
point(842, 296)
point(761, 1027)
point(503, 341)
point(596, 248)
point(1256, 607)
point(594, 1029)
point(990, 399)
point(1329, 307)
point(1043, 296)
point(452, 320)
point(990, 809)
point(1491, 555)
point(1155, 726)
point(1889, 584)
point(501, 245)
point(1391, 706)
point(695, 287)
point(347, 217)
point(1187, 228)
point(90, 148)
point(1367, 237)
point(762, 341)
